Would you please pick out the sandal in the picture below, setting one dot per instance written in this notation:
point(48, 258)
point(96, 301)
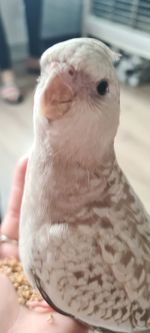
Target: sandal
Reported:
point(10, 93)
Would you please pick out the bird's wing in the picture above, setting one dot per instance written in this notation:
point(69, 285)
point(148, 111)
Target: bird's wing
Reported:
point(98, 276)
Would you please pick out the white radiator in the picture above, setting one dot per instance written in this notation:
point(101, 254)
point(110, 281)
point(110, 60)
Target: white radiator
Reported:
point(122, 23)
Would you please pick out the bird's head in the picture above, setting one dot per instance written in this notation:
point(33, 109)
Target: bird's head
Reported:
point(76, 105)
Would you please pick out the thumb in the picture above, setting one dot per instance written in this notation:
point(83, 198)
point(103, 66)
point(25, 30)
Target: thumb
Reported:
point(11, 221)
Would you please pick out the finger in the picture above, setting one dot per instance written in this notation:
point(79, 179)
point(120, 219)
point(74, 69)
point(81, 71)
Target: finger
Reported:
point(8, 250)
point(11, 221)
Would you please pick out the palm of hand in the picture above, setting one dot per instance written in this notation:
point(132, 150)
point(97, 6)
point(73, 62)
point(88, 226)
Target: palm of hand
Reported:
point(13, 317)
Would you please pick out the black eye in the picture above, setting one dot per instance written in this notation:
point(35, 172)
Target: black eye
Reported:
point(102, 87)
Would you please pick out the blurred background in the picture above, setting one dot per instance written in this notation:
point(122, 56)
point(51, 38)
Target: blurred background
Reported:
point(124, 25)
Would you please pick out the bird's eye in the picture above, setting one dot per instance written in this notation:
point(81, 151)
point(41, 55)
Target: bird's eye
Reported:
point(102, 87)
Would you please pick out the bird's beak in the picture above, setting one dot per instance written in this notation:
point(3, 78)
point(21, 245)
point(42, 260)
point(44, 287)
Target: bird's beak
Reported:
point(58, 93)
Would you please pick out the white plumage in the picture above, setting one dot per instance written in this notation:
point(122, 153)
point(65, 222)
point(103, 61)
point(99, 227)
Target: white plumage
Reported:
point(84, 235)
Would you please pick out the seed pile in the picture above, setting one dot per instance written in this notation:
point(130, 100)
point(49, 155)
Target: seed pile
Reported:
point(13, 269)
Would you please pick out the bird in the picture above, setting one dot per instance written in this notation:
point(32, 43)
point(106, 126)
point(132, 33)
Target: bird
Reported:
point(84, 236)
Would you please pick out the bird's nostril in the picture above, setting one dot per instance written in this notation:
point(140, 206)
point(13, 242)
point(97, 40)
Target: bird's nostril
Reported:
point(71, 71)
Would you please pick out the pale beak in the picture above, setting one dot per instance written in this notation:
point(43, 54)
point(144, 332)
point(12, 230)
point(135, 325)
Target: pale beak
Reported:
point(58, 92)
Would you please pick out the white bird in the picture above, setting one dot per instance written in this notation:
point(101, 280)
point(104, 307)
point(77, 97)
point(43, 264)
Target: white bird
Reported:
point(84, 234)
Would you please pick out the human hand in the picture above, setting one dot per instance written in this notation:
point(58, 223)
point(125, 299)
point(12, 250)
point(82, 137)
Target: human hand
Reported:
point(13, 317)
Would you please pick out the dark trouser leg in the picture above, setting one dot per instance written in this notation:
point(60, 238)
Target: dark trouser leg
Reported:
point(5, 60)
point(33, 10)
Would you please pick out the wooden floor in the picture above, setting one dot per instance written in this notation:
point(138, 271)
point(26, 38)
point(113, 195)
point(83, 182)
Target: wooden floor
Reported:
point(132, 142)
